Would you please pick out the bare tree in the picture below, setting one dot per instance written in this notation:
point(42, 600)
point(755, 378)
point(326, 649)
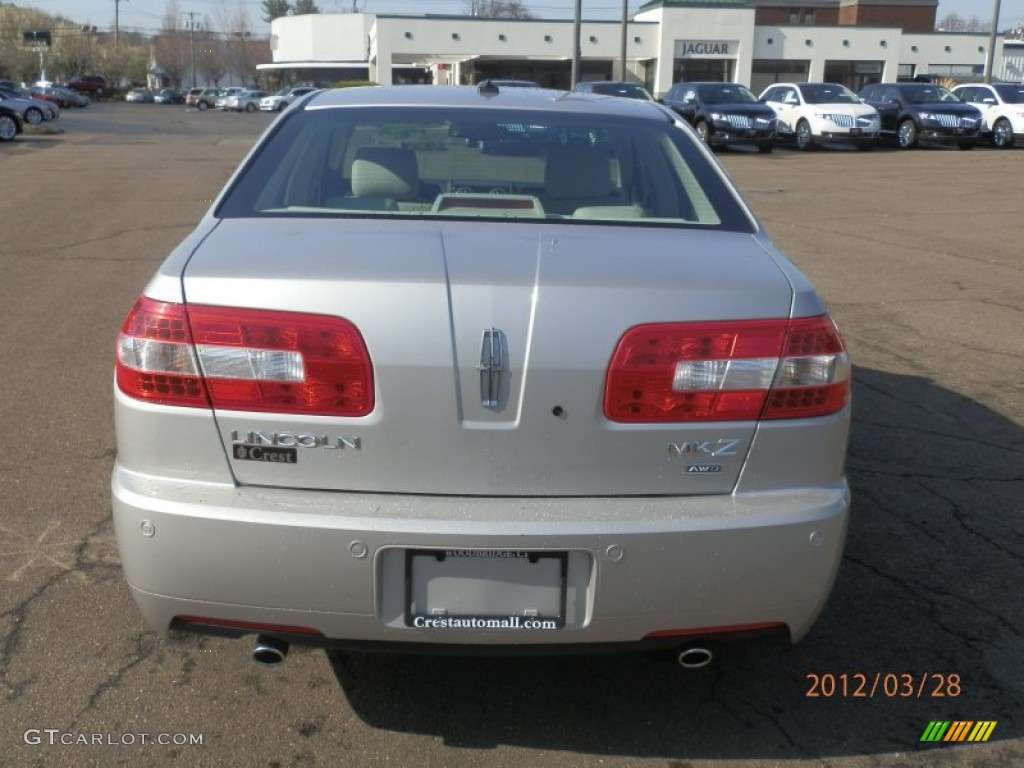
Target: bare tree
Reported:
point(171, 46)
point(498, 9)
point(951, 22)
point(16, 62)
point(236, 28)
point(126, 63)
point(974, 24)
point(210, 55)
point(305, 6)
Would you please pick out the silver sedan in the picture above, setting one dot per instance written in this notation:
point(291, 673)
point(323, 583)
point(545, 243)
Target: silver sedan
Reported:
point(32, 111)
point(244, 101)
point(480, 368)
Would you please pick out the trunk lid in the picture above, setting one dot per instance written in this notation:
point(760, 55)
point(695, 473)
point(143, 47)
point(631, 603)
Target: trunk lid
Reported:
point(426, 296)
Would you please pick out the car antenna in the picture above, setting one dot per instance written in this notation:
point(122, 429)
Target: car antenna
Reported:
point(487, 88)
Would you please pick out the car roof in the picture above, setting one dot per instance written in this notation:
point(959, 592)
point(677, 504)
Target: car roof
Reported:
point(465, 96)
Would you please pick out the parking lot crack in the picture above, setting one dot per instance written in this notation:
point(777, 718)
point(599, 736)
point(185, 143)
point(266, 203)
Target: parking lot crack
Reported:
point(10, 643)
point(144, 645)
point(962, 518)
point(927, 594)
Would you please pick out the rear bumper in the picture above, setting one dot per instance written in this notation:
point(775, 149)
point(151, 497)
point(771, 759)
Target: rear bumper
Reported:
point(330, 563)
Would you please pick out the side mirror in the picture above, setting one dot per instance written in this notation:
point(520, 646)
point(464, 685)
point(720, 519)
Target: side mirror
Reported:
point(988, 100)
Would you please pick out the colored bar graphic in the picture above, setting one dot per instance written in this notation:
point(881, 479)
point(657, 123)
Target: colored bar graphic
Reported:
point(982, 731)
point(935, 731)
point(958, 730)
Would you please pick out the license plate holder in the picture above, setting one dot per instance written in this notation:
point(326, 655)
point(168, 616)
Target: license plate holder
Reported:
point(485, 589)
point(855, 131)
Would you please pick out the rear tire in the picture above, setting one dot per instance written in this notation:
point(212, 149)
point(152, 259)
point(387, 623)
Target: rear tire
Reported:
point(202, 106)
point(250, 107)
point(34, 116)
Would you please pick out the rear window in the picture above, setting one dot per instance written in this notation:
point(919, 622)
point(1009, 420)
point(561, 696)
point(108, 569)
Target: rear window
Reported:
point(511, 165)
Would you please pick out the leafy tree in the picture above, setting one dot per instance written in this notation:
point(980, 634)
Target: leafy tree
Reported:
point(274, 9)
point(304, 6)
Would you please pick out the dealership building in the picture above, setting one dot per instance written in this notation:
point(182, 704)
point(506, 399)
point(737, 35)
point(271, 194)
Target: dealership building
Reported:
point(755, 42)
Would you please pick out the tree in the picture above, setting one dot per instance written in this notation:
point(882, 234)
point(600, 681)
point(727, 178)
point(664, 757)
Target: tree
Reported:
point(952, 22)
point(304, 6)
point(275, 9)
point(171, 48)
point(17, 62)
point(498, 9)
point(236, 28)
point(211, 58)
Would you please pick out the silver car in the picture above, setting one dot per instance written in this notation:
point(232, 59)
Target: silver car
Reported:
point(399, 391)
point(244, 101)
point(32, 111)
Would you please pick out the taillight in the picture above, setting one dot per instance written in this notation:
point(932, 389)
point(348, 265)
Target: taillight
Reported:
point(728, 371)
point(244, 359)
point(155, 358)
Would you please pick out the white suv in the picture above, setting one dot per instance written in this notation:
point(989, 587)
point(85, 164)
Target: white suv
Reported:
point(819, 113)
point(1002, 105)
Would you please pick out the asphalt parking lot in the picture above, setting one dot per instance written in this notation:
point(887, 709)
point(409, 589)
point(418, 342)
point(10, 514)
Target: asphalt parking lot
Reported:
point(919, 257)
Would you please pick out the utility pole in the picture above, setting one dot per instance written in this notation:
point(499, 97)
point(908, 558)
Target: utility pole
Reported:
point(625, 30)
point(990, 58)
point(576, 24)
point(192, 26)
point(117, 19)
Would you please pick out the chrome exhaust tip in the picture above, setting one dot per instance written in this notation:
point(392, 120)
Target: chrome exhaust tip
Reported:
point(269, 651)
point(695, 657)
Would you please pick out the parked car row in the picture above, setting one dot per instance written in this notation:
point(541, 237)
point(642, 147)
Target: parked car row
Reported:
point(29, 110)
point(61, 96)
point(233, 98)
point(810, 114)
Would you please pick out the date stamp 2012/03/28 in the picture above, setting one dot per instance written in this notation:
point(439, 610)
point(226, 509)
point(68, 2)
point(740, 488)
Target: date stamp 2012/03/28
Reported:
point(890, 685)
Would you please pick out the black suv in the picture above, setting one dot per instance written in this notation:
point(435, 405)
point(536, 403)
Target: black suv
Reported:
point(925, 112)
point(724, 113)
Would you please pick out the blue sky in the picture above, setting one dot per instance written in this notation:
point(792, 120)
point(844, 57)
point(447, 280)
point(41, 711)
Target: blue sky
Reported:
point(146, 15)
